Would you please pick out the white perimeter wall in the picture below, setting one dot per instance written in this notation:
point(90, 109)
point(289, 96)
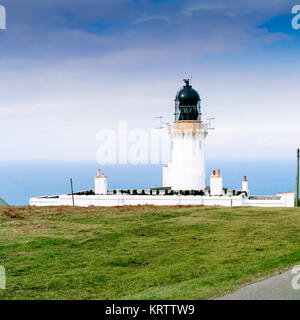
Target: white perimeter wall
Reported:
point(287, 200)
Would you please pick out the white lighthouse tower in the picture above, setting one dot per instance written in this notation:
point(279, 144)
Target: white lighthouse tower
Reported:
point(186, 171)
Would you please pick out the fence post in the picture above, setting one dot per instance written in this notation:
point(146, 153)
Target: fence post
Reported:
point(297, 182)
point(72, 192)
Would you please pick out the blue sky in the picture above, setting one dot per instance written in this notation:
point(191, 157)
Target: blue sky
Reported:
point(70, 68)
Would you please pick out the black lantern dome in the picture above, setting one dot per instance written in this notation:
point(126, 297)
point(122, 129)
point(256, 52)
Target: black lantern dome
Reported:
point(187, 103)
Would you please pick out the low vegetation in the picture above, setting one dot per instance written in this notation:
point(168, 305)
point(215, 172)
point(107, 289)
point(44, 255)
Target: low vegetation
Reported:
point(143, 252)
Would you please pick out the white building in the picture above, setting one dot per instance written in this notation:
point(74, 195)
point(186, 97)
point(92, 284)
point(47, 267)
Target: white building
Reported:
point(100, 183)
point(216, 184)
point(186, 171)
point(245, 185)
point(183, 178)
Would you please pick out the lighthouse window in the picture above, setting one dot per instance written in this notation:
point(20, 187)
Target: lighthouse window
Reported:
point(188, 113)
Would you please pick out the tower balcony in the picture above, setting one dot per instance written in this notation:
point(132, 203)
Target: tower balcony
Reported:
point(188, 127)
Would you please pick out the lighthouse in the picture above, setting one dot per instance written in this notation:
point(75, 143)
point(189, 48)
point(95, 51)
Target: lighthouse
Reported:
point(186, 170)
point(184, 174)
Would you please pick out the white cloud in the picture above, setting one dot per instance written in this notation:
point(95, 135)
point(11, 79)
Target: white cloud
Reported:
point(54, 111)
point(61, 83)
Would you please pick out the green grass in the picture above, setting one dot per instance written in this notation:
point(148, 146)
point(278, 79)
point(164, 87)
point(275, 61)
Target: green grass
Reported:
point(143, 252)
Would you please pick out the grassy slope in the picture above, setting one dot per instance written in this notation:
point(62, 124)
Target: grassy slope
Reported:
point(143, 252)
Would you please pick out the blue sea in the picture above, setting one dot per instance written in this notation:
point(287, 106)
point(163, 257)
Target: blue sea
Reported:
point(19, 182)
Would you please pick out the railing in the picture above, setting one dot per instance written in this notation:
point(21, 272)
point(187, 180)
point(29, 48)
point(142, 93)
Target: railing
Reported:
point(190, 126)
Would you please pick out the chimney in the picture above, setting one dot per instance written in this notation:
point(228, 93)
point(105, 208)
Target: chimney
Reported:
point(216, 184)
point(100, 183)
point(245, 185)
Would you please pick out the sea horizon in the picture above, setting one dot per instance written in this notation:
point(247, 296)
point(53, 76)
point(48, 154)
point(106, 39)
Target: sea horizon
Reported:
point(19, 182)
